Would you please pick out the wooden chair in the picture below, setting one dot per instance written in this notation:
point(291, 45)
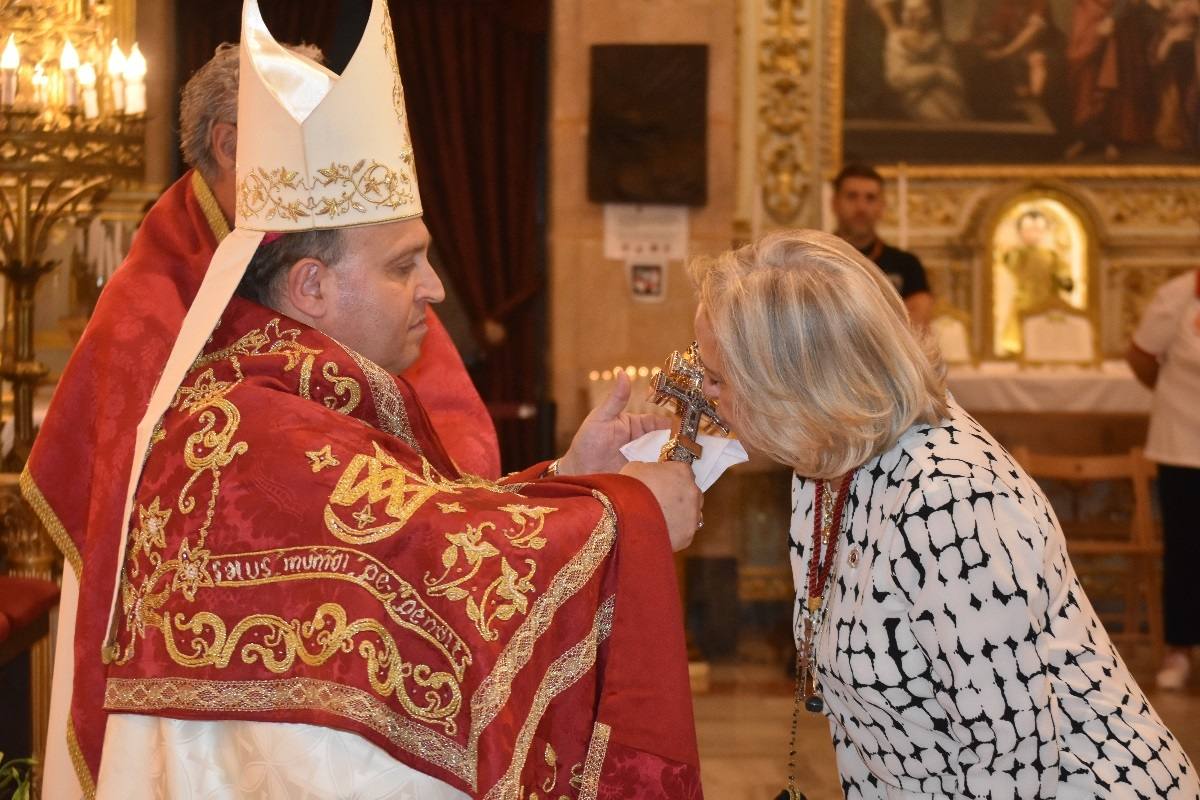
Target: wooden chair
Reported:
point(1117, 556)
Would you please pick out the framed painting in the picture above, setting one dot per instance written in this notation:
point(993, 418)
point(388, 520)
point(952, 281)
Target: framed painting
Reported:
point(1071, 87)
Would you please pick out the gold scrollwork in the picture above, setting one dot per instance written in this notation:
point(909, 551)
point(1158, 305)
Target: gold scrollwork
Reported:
point(504, 595)
point(784, 109)
point(334, 191)
point(277, 643)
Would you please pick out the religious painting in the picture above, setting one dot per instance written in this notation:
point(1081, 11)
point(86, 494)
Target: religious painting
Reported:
point(1070, 83)
point(1040, 259)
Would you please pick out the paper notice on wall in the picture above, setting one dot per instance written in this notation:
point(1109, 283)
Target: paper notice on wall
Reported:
point(633, 232)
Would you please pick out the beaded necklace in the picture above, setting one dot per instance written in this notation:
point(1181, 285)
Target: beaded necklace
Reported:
point(827, 526)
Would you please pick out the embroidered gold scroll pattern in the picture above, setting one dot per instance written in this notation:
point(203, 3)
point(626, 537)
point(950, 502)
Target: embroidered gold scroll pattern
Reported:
point(334, 191)
point(548, 785)
point(504, 596)
point(494, 691)
point(389, 47)
point(277, 644)
point(467, 555)
point(146, 695)
point(272, 340)
point(561, 675)
point(399, 600)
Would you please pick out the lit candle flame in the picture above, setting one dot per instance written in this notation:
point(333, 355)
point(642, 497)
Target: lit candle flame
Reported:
point(116, 59)
point(11, 59)
point(69, 60)
point(135, 67)
point(87, 75)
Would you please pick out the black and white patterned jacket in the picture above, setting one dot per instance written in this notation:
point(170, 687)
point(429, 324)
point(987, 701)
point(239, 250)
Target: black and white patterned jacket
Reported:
point(959, 655)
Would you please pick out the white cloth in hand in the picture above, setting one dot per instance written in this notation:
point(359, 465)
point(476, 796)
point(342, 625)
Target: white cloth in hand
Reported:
point(719, 454)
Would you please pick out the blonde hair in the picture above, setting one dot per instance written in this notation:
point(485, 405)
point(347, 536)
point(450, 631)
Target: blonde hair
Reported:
point(819, 351)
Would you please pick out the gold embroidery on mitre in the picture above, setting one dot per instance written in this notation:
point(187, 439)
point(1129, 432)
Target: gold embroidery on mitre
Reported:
point(334, 191)
point(389, 48)
point(451, 508)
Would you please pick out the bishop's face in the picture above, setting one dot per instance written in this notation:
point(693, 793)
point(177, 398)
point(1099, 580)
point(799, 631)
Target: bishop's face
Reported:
point(384, 285)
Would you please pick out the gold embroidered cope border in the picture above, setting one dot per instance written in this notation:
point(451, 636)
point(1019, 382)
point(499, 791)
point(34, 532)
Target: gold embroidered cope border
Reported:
point(561, 675)
point(142, 695)
point(54, 527)
point(594, 766)
point(493, 692)
point(209, 205)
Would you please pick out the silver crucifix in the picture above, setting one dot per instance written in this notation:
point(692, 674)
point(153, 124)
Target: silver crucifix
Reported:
point(681, 384)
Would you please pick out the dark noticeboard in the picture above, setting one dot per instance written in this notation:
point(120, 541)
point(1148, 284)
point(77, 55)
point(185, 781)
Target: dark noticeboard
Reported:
point(648, 127)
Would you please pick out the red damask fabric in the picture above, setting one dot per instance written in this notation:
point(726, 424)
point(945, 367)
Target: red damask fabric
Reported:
point(302, 549)
point(78, 470)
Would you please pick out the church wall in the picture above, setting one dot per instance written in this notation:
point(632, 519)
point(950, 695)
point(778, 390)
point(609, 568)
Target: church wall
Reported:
point(594, 322)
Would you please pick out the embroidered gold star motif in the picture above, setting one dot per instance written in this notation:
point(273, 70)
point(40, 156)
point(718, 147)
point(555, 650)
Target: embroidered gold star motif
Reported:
point(322, 458)
point(363, 517)
point(152, 527)
point(191, 571)
point(451, 508)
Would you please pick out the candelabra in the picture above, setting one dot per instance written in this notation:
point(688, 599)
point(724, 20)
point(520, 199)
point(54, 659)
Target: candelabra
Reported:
point(72, 109)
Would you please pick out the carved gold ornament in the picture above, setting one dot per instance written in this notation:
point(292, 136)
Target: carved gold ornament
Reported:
point(784, 109)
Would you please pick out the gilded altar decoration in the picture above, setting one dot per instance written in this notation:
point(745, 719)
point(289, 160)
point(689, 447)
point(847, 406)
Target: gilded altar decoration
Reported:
point(785, 110)
point(1041, 260)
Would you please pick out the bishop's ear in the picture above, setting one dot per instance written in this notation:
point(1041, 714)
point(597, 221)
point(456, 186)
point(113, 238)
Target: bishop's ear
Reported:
point(307, 288)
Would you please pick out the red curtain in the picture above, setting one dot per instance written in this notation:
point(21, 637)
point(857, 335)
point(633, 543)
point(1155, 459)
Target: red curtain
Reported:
point(475, 78)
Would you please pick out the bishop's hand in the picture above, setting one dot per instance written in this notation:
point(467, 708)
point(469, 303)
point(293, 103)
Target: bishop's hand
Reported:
point(598, 442)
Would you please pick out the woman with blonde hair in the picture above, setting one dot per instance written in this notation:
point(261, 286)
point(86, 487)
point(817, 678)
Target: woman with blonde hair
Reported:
point(939, 623)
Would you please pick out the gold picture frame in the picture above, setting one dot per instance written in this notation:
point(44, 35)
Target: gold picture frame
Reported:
point(833, 46)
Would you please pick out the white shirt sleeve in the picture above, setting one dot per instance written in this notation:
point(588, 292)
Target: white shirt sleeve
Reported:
point(1160, 320)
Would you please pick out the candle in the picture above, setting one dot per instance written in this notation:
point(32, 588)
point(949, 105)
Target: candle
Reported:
point(10, 62)
point(116, 76)
point(40, 82)
point(68, 63)
point(135, 82)
point(87, 80)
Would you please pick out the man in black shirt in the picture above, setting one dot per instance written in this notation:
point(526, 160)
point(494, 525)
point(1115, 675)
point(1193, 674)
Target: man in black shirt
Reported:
point(858, 206)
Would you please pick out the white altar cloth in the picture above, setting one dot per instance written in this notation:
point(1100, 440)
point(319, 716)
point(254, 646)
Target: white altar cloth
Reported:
point(1110, 388)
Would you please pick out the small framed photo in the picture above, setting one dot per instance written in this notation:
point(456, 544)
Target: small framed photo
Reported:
point(648, 280)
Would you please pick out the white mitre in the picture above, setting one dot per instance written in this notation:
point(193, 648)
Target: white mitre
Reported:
point(315, 150)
